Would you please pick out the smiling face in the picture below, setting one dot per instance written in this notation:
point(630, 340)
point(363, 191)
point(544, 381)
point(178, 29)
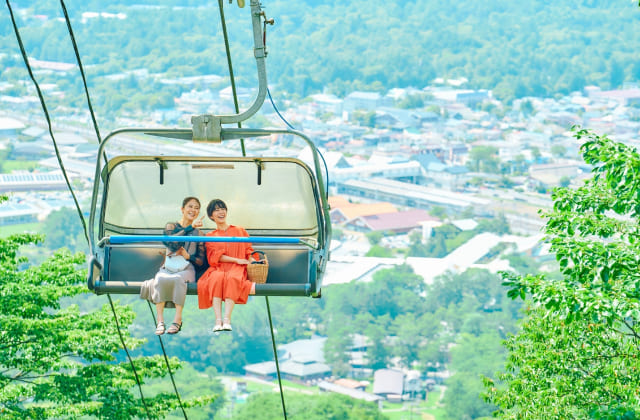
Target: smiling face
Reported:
point(217, 211)
point(191, 210)
point(219, 215)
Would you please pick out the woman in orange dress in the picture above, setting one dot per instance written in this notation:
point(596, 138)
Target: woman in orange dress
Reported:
point(226, 278)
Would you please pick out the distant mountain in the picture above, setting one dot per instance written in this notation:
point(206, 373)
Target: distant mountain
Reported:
point(537, 48)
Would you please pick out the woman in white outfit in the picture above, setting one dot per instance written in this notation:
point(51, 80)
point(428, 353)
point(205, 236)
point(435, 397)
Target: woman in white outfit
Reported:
point(169, 286)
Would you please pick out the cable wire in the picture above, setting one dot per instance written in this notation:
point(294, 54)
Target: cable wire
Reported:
point(135, 373)
point(166, 360)
point(97, 130)
point(84, 79)
point(326, 169)
point(277, 111)
point(235, 101)
point(275, 354)
point(46, 114)
point(95, 125)
point(230, 65)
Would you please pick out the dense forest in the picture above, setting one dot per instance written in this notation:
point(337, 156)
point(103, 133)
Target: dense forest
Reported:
point(516, 49)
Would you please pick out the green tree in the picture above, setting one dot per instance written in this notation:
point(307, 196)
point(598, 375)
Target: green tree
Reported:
point(374, 237)
point(616, 74)
point(379, 251)
point(535, 153)
point(472, 357)
point(59, 362)
point(411, 102)
point(337, 346)
point(268, 406)
point(526, 107)
point(366, 119)
point(498, 224)
point(484, 158)
point(62, 229)
point(377, 349)
point(411, 336)
point(416, 247)
point(438, 211)
point(558, 150)
point(565, 181)
point(436, 246)
point(577, 352)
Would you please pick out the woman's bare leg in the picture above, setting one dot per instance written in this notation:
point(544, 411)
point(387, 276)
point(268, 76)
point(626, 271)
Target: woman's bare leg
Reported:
point(178, 318)
point(228, 308)
point(160, 310)
point(217, 310)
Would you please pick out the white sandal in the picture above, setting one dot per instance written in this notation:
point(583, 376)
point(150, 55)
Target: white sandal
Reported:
point(226, 325)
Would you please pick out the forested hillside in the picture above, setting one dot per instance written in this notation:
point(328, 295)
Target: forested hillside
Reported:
point(516, 49)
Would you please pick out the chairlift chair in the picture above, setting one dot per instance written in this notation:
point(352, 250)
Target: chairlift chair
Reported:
point(280, 201)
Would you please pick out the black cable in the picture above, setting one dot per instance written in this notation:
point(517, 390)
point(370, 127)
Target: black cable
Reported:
point(277, 111)
point(135, 373)
point(231, 76)
point(46, 114)
point(326, 170)
point(275, 354)
point(84, 79)
point(97, 130)
point(166, 360)
point(235, 101)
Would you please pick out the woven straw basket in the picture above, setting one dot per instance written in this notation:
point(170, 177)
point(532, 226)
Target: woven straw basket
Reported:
point(258, 270)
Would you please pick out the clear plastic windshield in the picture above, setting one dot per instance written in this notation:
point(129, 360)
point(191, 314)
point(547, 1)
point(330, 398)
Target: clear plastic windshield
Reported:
point(144, 193)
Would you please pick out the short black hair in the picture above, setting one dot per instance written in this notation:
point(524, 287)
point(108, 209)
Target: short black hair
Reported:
point(214, 204)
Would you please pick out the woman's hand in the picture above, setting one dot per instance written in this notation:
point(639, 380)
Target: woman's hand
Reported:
point(243, 262)
point(183, 252)
point(197, 223)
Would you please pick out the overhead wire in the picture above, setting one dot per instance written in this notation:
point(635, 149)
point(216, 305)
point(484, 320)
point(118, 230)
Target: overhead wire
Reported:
point(47, 117)
point(62, 167)
point(97, 130)
point(273, 104)
point(230, 66)
point(133, 367)
point(235, 101)
point(84, 79)
point(99, 138)
point(166, 360)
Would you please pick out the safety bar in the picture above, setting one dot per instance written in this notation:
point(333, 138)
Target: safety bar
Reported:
point(128, 239)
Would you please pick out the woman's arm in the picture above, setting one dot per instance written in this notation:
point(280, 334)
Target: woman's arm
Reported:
point(226, 258)
point(174, 229)
point(196, 252)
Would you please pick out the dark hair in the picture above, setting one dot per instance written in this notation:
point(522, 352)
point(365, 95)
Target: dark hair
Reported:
point(214, 204)
point(186, 200)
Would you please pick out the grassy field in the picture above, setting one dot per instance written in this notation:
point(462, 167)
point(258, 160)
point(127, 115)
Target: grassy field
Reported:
point(416, 410)
point(19, 165)
point(11, 229)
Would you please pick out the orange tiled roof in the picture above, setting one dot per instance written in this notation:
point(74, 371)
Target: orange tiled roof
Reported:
point(348, 383)
point(352, 211)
